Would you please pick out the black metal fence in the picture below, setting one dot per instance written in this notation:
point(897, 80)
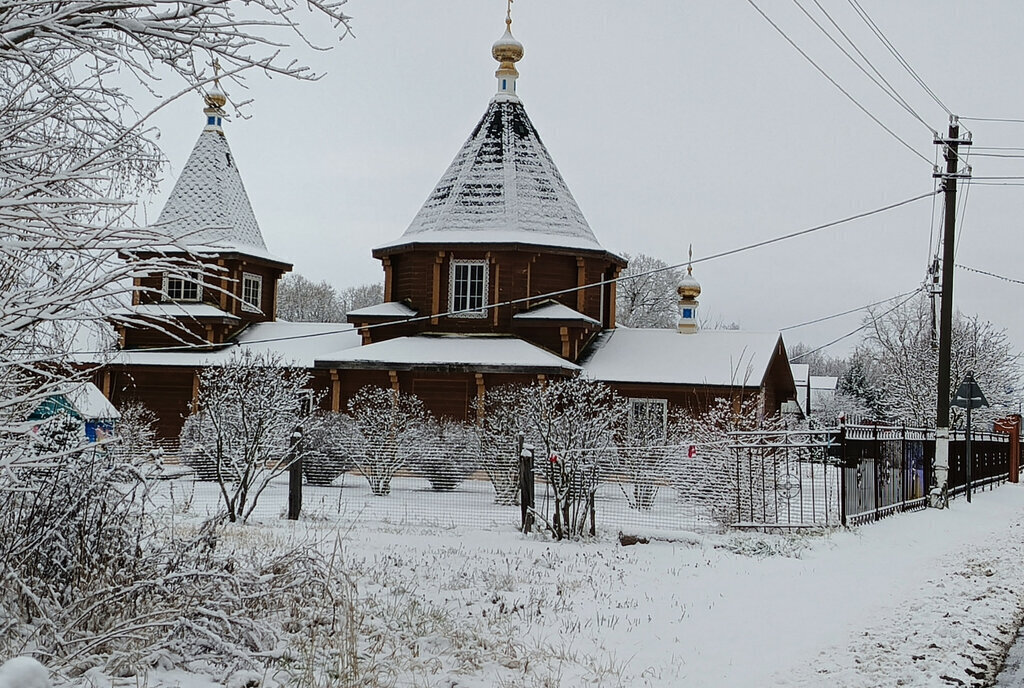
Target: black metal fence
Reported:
point(852, 474)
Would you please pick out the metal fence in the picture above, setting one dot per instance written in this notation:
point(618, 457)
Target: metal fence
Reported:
point(852, 474)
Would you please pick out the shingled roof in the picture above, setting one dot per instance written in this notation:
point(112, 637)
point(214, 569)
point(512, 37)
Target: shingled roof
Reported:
point(502, 187)
point(208, 209)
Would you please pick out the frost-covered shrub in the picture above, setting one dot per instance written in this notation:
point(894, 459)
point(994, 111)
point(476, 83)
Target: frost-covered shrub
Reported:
point(390, 431)
point(570, 423)
point(498, 440)
point(710, 480)
point(448, 454)
point(329, 448)
point(245, 429)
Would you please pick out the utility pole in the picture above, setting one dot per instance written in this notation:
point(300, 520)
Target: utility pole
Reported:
point(951, 144)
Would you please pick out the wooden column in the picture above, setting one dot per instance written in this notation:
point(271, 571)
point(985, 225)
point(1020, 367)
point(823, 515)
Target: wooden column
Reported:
point(435, 299)
point(612, 294)
point(195, 391)
point(136, 285)
point(480, 392)
point(335, 390)
point(106, 383)
point(386, 262)
point(497, 293)
point(393, 375)
point(564, 332)
point(224, 291)
point(581, 279)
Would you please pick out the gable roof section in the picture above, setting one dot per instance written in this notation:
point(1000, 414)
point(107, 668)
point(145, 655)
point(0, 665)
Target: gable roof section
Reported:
point(208, 209)
point(553, 312)
point(718, 358)
point(503, 187)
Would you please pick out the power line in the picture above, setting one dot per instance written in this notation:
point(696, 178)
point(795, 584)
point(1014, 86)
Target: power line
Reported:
point(990, 274)
point(548, 295)
point(852, 310)
point(852, 332)
point(888, 88)
point(836, 83)
point(994, 119)
point(896, 53)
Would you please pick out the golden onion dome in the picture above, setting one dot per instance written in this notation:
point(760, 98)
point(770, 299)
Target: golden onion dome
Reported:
point(689, 287)
point(507, 50)
point(215, 98)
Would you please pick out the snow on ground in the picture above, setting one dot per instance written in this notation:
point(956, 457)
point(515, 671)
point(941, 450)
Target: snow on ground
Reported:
point(920, 599)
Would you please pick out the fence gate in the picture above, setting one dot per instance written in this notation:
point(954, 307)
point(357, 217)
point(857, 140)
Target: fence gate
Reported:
point(787, 479)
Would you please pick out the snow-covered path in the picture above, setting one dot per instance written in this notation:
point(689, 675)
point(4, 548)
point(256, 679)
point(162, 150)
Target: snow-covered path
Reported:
point(922, 599)
point(926, 598)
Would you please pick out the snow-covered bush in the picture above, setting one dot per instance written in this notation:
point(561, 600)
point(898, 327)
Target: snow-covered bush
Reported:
point(246, 425)
point(329, 447)
point(498, 440)
point(448, 455)
point(571, 424)
point(709, 479)
point(390, 427)
point(641, 457)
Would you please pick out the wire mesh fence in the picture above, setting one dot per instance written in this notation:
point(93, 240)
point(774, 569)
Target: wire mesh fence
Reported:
point(778, 479)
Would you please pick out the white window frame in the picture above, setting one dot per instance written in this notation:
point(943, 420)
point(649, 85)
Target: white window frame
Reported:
point(460, 302)
point(179, 283)
point(648, 402)
point(249, 278)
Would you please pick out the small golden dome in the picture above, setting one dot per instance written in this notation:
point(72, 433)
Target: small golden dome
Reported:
point(215, 98)
point(507, 50)
point(689, 287)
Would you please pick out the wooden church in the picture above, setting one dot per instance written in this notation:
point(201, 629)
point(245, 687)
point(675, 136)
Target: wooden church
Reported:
point(498, 279)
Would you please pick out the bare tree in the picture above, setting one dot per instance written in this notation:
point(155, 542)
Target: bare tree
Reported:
point(898, 360)
point(246, 427)
point(302, 300)
point(354, 298)
point(77, 153)
point(649, 300)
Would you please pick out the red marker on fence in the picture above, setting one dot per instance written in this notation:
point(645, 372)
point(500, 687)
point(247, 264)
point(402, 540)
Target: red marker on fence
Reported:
point(691, 453)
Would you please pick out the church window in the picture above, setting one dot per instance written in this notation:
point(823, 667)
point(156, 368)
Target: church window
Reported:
point(211, 120)
point(687, 313)
point(467, 288)
point(252, 291)
point(183, 287)
point(648, 419)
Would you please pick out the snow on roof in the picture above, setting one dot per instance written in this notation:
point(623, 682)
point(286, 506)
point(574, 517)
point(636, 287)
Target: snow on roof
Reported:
point(502, 187)
point(298, 344)
point(208, 207)
point(479, 353)
point(554, 311)
point(176, 310)
point(824, 382)
point(800, 373)
point(89, 402)
point(388, 309)
point(706, 357)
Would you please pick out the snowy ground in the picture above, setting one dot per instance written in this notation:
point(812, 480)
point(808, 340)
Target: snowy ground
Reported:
point(921, 599)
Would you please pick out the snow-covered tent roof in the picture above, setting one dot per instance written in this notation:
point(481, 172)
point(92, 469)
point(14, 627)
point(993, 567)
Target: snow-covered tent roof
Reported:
point(476, 353)
point(298, 344)
point(707, 357)
point(208, 209)
point(503, 187)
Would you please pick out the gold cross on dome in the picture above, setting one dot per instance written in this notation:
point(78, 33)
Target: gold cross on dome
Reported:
point(508, 12)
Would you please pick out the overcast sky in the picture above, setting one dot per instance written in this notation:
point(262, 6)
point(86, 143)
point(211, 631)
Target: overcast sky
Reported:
point(672, 122)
